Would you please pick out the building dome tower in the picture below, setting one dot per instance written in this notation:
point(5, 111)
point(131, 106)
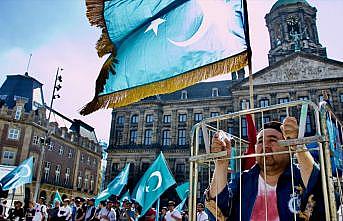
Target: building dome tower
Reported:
point(292, 28)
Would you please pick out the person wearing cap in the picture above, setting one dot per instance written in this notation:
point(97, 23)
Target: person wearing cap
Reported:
point(254, 188)
point(172, 214)
point(80, 211)
point(201, 215)
point(163, 214)
point(64, 212)
point(16, 213)
point(41, 213)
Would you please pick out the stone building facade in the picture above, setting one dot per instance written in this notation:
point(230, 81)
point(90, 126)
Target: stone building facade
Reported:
point(71, 162)
point(163, 122)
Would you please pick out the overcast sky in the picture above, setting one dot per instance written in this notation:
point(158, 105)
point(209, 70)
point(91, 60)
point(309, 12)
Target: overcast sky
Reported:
point(58, 34)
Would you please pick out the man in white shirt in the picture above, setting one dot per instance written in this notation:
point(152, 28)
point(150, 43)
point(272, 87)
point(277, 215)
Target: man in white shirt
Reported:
point(107, 213)
point(65, 211)
point(172, 214)
point(41, 212)
point(201, 215)
point(90, 212)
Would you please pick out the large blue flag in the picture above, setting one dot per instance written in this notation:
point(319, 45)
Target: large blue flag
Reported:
point(20, 175)
point(115, 186)
point(160, 46)
point(155, 181)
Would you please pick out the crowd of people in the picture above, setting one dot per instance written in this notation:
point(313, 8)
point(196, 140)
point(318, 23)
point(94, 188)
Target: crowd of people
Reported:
point(268, 182)
point(85, 210)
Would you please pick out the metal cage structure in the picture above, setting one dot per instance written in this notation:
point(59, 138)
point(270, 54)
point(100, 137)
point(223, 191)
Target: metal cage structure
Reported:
point(320, 132)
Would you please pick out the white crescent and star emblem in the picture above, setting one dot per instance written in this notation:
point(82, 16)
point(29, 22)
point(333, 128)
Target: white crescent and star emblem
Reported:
point(28, 171)
point(159, 183)
point(154, 25)
point(213, 15)
point(198, 34)
point(23, 173)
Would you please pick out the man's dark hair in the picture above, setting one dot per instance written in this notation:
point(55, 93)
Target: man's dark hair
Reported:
point(273, 125)
point(201, 205)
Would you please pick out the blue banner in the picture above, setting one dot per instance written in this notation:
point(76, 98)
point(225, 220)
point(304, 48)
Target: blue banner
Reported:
point(20, 175)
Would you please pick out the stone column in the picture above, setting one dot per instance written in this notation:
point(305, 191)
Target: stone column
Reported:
point(174, 122)
point(126, 129)
point(140, 129)
point(158, 125)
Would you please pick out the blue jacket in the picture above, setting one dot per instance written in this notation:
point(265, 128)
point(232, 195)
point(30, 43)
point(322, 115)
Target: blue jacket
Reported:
point(228, 199)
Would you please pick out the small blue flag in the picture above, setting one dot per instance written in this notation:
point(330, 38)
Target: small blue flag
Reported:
point(20, 175)
point(181, 205)
point(155, 181)
point(57, 197)
point(115, 186)
point(104, 195)
point(183, 190)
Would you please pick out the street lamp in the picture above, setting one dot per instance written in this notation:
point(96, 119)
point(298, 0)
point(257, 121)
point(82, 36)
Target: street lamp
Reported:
point(56, 87)
point(58, 78)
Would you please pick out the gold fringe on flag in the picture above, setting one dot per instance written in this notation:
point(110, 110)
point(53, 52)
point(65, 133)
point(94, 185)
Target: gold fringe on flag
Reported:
point(104, 45)
point(95, 15)
point(125, 97)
